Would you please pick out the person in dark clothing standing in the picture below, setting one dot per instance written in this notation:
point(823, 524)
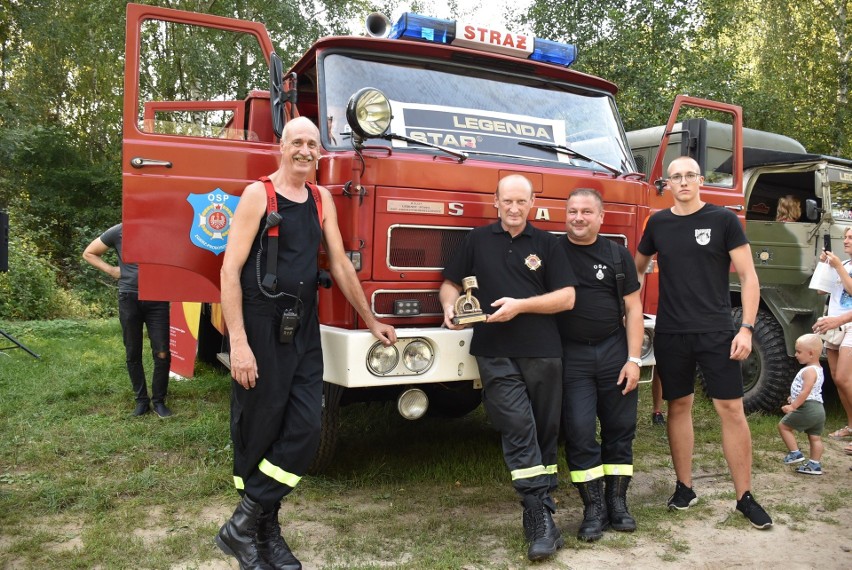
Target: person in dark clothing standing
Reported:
point(523, 278)
point(601, 345)
point(276, 357)
point(133, 314)
point(696, 243)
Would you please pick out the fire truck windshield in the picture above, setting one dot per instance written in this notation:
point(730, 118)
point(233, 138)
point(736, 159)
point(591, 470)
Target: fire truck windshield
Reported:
point(482, 112)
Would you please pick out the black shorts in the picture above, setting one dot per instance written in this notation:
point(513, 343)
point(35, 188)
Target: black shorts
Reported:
point(677, 355)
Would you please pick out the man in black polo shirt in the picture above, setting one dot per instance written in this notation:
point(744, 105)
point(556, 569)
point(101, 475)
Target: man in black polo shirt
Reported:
point(601, 343)
point(523, 277)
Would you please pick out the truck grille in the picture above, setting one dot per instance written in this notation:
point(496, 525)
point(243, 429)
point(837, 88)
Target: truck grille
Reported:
point(430, 304)
point(422, 247)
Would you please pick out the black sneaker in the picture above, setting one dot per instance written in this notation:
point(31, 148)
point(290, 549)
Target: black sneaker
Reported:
point(142, 408)
point(753, 512)
point(161, 410)
point(658, 419)
point(683, 498)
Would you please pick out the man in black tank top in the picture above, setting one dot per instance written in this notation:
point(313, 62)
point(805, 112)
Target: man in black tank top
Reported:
point(276, 357)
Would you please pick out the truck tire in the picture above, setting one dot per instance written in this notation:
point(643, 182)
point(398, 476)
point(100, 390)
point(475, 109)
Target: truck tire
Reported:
point(768, 371)
point(329, 428)
point(453, 400)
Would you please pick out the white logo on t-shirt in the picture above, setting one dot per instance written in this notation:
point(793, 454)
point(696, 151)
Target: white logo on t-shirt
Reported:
point(702, 236)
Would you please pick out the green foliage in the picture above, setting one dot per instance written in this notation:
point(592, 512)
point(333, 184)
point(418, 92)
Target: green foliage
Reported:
point(30, 289)
point(726, 50)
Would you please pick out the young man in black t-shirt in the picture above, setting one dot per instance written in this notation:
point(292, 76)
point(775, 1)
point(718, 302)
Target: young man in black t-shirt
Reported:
point(601, 347)
point(695, 245)
point(523, 278)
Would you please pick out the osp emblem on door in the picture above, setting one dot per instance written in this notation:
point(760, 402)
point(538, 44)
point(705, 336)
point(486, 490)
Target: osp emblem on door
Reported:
point(212, 213)
point(702, 236)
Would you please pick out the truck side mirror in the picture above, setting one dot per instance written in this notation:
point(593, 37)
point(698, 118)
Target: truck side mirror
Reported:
point(812, 211)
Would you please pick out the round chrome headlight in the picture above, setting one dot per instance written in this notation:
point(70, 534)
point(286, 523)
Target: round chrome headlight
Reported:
point(382, 359)
point(647, 343)
point(368, 113)
point(418, 356)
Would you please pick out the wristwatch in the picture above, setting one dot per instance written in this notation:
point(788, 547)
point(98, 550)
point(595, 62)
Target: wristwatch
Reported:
point(748, 326)
point(634, 360)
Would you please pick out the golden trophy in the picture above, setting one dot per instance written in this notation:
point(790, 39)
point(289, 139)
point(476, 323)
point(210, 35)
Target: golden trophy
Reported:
point(467, 307)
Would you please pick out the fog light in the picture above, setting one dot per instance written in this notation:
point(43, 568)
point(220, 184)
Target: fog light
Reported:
point(412, 404)
point(418, 356)
point(382, 359)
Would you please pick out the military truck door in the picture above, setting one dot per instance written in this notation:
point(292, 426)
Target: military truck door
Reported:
point(194, 134)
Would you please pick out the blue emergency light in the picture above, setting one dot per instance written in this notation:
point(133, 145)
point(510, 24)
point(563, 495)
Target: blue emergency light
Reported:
point(411, 26)
point(554, 52)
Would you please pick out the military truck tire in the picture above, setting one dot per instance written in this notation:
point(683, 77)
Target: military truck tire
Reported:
point(454, 400)
point(768, 371)
point(329, 428)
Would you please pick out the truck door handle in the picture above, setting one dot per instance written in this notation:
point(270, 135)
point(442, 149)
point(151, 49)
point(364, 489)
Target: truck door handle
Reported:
point(735, 207)
point(139, 162)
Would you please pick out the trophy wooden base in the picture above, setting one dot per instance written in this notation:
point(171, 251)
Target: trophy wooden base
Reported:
point(469, 318)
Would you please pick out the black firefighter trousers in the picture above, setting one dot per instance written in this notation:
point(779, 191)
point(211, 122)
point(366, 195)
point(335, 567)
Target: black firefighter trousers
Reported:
point(275, 426)
point(523, 397)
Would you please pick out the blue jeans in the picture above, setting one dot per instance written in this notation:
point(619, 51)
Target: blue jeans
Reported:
point(133, 313)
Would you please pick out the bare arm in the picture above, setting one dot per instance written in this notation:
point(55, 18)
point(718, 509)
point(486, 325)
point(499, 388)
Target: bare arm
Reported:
point(251, 207)
point(548, 303)
point(749, 296)
point(634, 324)
point(93, 254)
point(823, 324)
point(344, 272)
point(642, 262)
point(837, 264)
point(448, 294)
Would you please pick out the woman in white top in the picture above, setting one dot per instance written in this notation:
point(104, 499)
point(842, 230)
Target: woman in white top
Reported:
point(840, 355)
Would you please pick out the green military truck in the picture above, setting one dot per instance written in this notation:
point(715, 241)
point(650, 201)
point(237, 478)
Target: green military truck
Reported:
point(785, 253)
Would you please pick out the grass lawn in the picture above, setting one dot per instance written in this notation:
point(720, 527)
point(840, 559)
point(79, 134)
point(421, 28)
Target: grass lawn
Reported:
point(84, 485)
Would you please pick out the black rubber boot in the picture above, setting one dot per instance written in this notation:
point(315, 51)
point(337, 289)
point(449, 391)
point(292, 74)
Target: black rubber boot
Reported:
point(271, 545)
point(238, 536)
point(540, 530)
point(595, 519)
point(616, 503)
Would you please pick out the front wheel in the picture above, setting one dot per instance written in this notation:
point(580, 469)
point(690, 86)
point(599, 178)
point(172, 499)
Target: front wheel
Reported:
point(329, 427)
point(768, 371)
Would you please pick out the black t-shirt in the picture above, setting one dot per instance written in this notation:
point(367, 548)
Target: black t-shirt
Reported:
point(528, 265)
point(597, 308)
point(694, 262)
point(129, 280)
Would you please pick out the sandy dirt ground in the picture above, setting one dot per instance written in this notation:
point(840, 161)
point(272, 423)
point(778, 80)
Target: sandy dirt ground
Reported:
point(712, 535)
point(812, 527)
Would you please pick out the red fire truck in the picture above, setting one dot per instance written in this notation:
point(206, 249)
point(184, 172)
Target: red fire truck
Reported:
point(417, 125)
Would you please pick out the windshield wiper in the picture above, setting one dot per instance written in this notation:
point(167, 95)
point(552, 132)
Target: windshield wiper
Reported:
point(570, 152)
point(459, 154)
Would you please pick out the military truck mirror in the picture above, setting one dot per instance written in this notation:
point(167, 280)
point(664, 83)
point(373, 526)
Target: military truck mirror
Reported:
point(812, 211)
point(276, 93)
